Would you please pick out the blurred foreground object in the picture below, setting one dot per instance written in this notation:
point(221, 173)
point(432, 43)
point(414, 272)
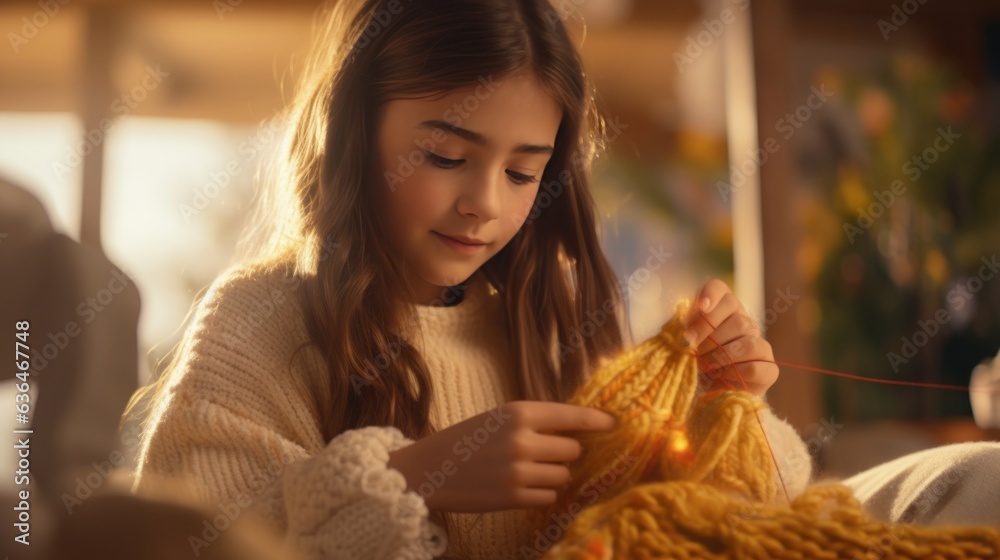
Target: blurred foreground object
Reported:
point(985, 393)
point(81, 313)
point(120, 525)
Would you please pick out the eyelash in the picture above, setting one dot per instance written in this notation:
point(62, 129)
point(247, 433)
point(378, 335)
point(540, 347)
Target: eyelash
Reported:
point(445, 163)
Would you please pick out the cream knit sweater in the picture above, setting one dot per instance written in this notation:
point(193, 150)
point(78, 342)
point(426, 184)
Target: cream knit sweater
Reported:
point(238, 426)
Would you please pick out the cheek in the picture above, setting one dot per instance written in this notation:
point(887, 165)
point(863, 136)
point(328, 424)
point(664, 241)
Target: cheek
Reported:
point(418, 201)
point(519, 208)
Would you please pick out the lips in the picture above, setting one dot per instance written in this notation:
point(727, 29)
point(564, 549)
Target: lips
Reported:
point(463, 239)
point(461, 247)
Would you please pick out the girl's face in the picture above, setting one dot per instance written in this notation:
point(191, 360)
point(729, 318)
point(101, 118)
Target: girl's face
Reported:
point(465, 167)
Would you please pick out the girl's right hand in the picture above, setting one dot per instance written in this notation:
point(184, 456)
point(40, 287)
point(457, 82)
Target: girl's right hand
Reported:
point(505, 458)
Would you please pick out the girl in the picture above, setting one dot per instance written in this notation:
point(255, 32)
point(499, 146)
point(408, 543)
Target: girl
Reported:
point(385, 378)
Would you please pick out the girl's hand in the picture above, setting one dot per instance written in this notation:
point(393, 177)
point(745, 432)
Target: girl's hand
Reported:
point(505, 458)
point(736, 342)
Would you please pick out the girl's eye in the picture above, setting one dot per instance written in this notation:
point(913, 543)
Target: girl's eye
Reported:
point(520, 178)
point(445, 163)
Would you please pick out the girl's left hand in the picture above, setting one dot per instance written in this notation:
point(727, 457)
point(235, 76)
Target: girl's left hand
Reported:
point(736, 349)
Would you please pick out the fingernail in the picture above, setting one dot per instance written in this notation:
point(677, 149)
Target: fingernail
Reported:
point(704, 303)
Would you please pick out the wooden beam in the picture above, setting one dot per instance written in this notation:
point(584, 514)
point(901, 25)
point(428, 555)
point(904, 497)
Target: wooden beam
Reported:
point(796, 395)
point(102, 35)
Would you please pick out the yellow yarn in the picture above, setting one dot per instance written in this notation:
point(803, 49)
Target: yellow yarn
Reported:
point(684, 478)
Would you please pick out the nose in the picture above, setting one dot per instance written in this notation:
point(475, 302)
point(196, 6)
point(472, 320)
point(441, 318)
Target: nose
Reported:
point(481, 198)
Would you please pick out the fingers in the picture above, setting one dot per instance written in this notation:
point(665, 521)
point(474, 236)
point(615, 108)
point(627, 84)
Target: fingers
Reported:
point(755, 378)
point(732, 328)
point(537, 484)
point(534, 497)
point(732, 352)
point(557, 417)
point(710, 294)
point(744, 363)
point(705, 319)
point(539, 475)
point(553, 449)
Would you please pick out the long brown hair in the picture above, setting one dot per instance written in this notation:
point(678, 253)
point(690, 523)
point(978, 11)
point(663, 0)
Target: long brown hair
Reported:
point(554, 280)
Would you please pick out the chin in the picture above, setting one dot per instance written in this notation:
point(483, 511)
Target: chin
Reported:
point(449, 274)
point(445, 280)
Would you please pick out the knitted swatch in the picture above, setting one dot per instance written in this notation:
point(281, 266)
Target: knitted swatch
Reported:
point(681, 477)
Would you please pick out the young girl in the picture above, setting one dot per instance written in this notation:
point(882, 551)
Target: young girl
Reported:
point(385, 378)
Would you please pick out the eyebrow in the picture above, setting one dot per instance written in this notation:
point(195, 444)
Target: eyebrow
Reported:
point(478, 138)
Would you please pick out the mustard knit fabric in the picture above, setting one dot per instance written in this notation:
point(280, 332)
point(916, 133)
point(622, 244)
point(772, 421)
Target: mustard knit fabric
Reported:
point(699, 481)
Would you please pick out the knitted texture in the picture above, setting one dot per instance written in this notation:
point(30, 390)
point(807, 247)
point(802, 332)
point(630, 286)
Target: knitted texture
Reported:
point(238, 426)
point(340, 502)
point(691, 475)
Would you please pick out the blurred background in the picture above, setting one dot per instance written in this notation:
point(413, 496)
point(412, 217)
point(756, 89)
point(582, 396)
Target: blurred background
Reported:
point(837, 162)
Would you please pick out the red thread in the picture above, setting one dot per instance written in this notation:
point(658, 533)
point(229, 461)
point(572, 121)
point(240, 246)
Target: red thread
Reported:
point(733, 364)
point(876, 379)
point(717, 373)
